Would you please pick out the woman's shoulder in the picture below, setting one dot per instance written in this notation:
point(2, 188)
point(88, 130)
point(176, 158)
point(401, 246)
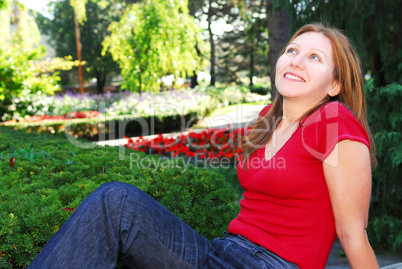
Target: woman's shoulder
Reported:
point(330, 124)
point(336, 109)
point(330, 112)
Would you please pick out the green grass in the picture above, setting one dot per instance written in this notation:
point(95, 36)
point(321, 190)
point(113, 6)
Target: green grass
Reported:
point(231, 108)
point(41, 175)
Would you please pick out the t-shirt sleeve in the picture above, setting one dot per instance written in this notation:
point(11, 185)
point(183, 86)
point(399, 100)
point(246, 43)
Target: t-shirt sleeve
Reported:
point(331, 124)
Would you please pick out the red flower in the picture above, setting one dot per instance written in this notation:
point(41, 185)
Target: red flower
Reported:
point(210, 143)
point(230, 155)
point(12, 162)
point(68, 209)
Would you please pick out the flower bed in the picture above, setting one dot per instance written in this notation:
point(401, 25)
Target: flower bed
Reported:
point(112, 104)
point(211, 145)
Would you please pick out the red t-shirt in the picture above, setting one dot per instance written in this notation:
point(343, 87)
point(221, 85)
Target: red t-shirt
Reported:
point(286, 206)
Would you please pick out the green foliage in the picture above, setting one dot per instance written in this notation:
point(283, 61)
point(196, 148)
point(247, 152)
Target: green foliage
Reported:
point(92, 33)
point(101, 128)
point(17, 59)
point(153, 39)
point(227, 95)
point(79, 9)
point(230, 174)
point(245, 47)
point(373, 26)
point(18, 75)
point(211, 12)
point(386, 231)
point(34, 191)
point(20, 72)
point(2, 4)
point(27, 34)
point(26, 153)
point(384, 115)
point(4, 22)
point(260, 88)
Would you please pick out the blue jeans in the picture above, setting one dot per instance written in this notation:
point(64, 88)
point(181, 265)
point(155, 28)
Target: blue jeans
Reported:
point(118, 222)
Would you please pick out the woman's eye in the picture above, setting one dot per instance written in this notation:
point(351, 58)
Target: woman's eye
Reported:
point(291, 50)
point(315, 57)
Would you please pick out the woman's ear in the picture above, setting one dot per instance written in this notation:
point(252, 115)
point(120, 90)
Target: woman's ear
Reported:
point(335, 89)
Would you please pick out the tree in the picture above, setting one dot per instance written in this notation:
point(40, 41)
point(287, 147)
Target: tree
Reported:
point(193, 6)
point(153, 39)
point(78, 45)
point(375, 28)
point(213, 11)
point(20, 72)
point(382, 40)
point(62, 35)
point(245, 47)
point(278, 22)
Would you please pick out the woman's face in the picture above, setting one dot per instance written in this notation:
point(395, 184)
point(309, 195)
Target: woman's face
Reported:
point(305, 71)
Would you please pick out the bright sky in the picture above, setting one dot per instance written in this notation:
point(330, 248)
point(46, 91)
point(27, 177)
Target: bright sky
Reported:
point(40, 5)
point(37, 5)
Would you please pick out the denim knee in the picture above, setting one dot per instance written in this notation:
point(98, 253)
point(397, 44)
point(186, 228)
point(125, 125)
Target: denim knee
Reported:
point(116, 189)
point(121, 191)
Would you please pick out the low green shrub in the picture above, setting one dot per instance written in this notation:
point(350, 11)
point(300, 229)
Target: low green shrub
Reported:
point(51, 177)
point(111, 127)
point(261, 90)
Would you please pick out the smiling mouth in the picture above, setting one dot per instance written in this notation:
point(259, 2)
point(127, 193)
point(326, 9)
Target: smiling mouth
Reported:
point(293, 77)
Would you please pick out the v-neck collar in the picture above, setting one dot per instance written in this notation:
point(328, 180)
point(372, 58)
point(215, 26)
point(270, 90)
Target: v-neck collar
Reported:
point(283, 146)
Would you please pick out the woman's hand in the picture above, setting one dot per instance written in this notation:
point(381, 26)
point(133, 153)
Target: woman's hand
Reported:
point(348, 175)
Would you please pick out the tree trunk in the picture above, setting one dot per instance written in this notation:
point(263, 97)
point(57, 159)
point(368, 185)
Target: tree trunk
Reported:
point(251, 75)
point(194, 80)
point(78, 42)
point(100, 80)
point(140, 84)
point(279, 34)
point(211, 41)
point(379, 73)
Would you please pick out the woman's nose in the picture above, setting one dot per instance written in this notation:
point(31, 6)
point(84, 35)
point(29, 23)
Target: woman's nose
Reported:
point(298, 61)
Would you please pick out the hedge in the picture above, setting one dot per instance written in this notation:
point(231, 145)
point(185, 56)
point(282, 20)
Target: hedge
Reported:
point(111, 127)
point(45, 177)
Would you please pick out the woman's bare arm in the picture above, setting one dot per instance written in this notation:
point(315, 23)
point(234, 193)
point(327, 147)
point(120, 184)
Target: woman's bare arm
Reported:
point(348, 175)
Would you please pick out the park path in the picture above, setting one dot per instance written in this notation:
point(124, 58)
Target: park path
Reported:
point(243, 116)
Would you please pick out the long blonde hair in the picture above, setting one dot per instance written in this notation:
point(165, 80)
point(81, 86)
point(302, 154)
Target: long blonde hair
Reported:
point(347, 73)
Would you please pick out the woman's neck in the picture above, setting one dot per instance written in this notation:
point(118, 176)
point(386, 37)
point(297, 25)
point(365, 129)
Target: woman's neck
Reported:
point(292, 112)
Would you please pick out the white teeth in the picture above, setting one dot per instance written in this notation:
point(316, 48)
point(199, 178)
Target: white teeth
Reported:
point(293, 77)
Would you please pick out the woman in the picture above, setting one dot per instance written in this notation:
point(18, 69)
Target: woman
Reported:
point(306, 172)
